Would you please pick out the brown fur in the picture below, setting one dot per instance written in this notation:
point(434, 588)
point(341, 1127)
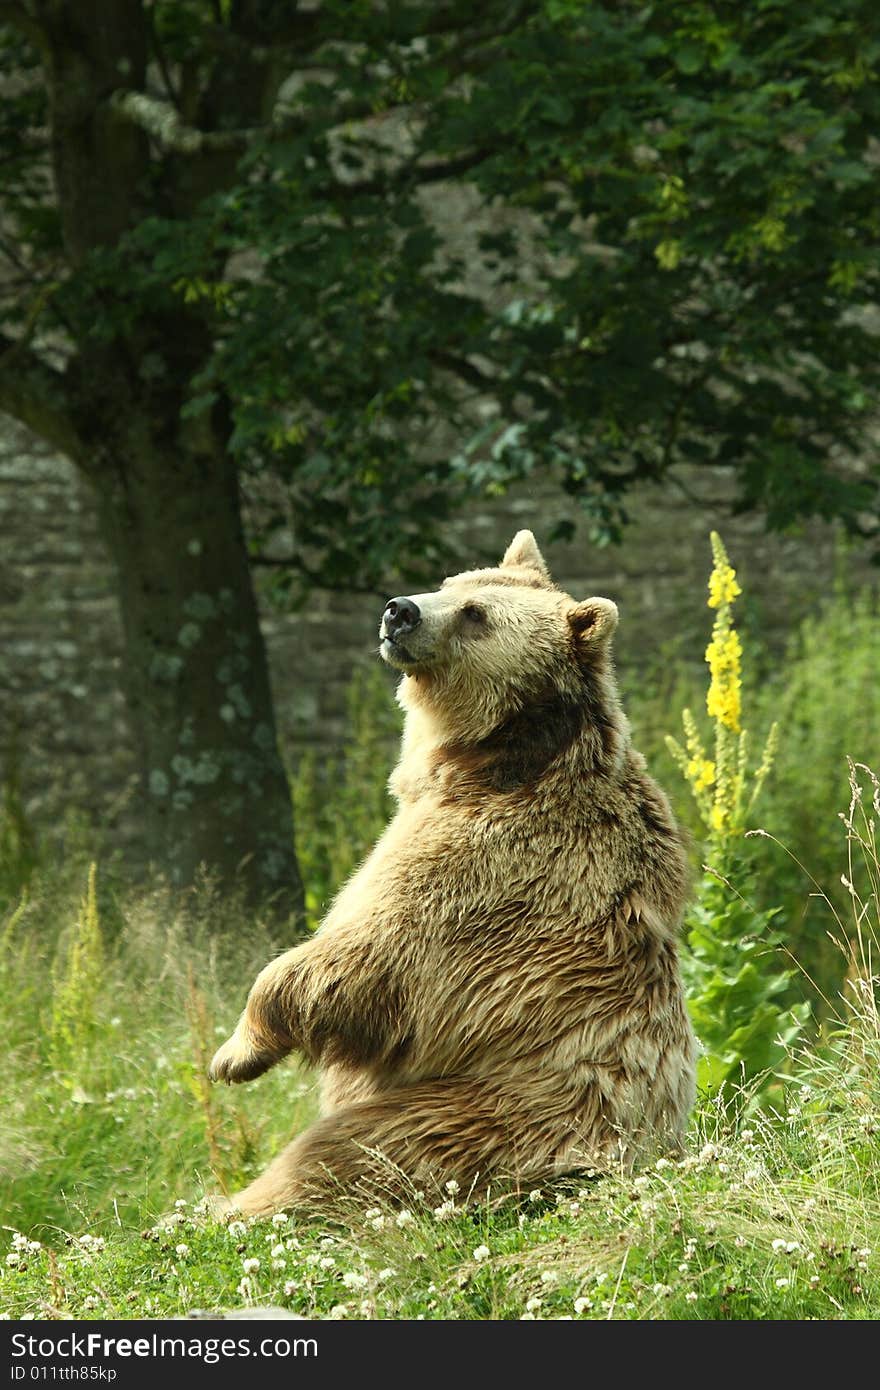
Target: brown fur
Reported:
point(495, 995)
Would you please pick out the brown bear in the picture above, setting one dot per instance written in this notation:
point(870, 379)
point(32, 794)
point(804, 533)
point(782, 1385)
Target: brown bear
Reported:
point(494, 996)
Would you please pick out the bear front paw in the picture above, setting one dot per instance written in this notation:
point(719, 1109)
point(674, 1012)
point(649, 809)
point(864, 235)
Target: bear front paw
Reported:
point(239, 1059)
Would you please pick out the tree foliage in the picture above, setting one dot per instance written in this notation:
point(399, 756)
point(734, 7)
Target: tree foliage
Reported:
point(673, 256)
point(363, 259)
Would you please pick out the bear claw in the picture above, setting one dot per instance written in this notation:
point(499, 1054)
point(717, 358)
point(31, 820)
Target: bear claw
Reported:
point(232, 1064)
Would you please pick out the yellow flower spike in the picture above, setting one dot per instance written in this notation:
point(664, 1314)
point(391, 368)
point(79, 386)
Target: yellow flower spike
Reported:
point(718, 818)
point(723, 588)
point(692, 737)
point(719, 784)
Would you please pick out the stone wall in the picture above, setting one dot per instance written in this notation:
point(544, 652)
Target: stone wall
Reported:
point(61, 714)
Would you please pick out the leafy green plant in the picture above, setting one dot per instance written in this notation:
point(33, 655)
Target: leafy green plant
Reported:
point(738, 982)
point(826, 694)
point(76, 987)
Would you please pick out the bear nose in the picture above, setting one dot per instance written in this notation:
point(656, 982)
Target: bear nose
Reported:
point(401, 615)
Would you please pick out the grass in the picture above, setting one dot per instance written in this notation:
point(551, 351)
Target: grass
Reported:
point(107, 1154)
point(779, 1219)
point(114, 1000)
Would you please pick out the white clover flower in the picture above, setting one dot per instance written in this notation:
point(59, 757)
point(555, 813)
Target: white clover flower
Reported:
point(327, 1262)
point(452, 1188)
point(482, 1252)
point(279, 1219)
point(237, 1228)
point(404, 1218)
point(661, 1164)
point(782, 1283)
point(385, 1274)
point(444, 1211)
point(581, 1305)
point(339, 1311)
point(354, 1281)
point(533, 1304)
point(181, 1250)
point(549, 1276)
point(372, 1213)
point(180, 1202)
point(378, 1223)
point(777, 1245)
point(740, 1242)
point(34, 1247)
point(535, 1195)
point(709, 1153)
point(91, 1302)
point(289, 1289)
point(662, 1290)
point(574, 1209)
point(13, 1258)
point(683, 1267)
point(278, 1265)
point(641, 1182)
point(245, 1288)
point(19, 1242)
point(250, 1266)
point(527, 1317)
point(691, 1297)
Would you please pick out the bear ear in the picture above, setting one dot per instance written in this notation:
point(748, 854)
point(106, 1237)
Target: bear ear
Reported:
point(594, 620)
point(523, 553)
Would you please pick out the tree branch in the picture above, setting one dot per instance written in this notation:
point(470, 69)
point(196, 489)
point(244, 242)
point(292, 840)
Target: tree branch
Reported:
point(462, 368)
point(163, 122)
point(413, 172)
point(306, 32)
point(36, 394)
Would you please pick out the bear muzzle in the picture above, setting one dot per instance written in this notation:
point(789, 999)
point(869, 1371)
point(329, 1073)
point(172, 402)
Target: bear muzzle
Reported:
point(401, 616)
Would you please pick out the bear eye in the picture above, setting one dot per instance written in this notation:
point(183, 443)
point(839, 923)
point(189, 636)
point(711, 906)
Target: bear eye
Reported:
point(473, 613)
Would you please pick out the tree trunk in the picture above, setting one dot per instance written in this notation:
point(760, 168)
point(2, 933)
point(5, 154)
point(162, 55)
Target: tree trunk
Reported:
point(214, 791)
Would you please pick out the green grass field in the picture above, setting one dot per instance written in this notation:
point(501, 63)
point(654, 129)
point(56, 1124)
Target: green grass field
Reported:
point(114, 997)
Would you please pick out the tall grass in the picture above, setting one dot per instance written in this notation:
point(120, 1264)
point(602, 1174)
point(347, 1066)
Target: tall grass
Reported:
point(114, 997)
point(825, 695)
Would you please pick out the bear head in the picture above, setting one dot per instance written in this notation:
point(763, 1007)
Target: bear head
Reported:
point(493, 644)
